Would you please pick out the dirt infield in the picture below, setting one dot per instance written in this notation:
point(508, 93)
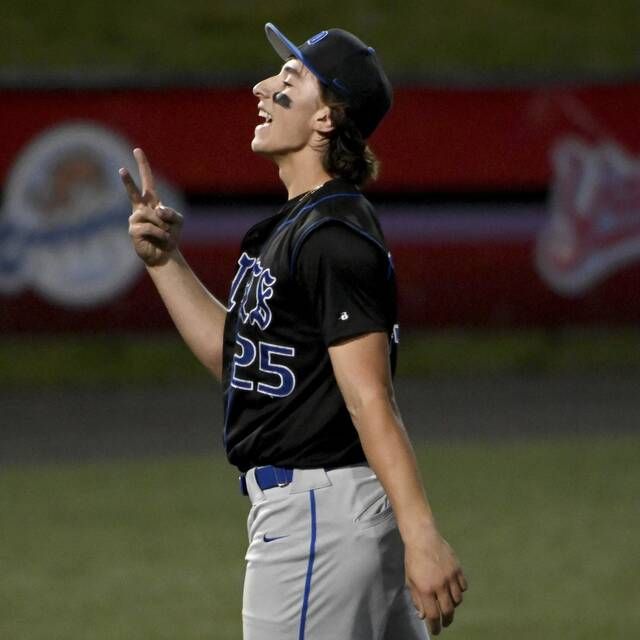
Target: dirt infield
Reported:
point(65, 425)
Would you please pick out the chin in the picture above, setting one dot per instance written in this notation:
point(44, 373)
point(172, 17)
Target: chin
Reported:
point(258, 146)
point(273, 148)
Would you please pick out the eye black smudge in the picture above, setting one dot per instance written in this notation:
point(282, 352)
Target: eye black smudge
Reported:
point(281, 99)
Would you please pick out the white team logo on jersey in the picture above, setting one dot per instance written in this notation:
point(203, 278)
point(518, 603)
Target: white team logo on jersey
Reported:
point(258, 289)
point(344, 316)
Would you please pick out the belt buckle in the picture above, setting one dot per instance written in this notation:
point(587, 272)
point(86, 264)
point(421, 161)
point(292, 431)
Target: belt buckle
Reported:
point(276, 473)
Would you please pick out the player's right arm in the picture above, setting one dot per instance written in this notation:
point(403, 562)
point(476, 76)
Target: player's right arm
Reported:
point(155, 233)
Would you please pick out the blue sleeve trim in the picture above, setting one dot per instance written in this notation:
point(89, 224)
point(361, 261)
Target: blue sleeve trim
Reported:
point(315, 225)
point(391, 267)
point(312, 555)
point(313, 204)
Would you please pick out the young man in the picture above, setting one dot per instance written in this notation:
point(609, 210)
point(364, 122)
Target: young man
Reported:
point(342, 541)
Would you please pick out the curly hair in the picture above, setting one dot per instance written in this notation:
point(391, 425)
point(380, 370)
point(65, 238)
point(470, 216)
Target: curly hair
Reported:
point(347, 155)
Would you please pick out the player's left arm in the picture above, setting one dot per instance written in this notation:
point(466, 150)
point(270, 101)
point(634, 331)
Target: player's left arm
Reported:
point(434, 575)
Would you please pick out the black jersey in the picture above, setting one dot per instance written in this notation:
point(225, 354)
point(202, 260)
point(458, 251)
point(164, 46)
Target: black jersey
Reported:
point(316, 273)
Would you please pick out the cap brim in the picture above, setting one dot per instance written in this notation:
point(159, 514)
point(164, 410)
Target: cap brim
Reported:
point(283, 46)
point(285, 49)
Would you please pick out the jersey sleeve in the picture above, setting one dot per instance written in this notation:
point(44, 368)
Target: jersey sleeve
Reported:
point(347, 279)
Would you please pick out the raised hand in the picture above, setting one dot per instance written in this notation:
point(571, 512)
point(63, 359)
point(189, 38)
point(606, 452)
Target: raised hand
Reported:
point(435, 580)
point(154, 229)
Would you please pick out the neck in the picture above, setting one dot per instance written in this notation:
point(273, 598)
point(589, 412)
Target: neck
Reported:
point(301, 172)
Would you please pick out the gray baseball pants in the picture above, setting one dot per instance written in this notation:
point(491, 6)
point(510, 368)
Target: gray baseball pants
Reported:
point(325, 561)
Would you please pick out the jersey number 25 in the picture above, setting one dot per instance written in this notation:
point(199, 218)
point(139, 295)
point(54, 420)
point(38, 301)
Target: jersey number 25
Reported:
point(284, 380)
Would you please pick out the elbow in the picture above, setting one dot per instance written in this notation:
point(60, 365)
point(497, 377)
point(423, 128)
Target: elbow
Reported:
point(373, 402)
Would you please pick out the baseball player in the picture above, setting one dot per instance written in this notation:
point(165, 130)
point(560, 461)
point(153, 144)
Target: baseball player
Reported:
point(342, 541)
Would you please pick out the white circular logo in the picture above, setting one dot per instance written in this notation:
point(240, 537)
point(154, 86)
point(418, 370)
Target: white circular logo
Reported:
point(63, 225)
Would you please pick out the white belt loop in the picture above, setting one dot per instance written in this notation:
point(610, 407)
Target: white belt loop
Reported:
point(255, 492)
point(307, 479)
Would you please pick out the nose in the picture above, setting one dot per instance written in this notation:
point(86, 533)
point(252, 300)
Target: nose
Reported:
point(261, 89)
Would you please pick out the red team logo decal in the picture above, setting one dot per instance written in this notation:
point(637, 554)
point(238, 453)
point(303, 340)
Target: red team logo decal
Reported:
point(594, 223)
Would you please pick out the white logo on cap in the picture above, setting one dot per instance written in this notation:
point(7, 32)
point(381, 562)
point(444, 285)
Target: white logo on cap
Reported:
point(319, 36)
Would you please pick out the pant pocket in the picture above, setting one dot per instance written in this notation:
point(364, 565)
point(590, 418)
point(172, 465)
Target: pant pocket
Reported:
point(378, 509)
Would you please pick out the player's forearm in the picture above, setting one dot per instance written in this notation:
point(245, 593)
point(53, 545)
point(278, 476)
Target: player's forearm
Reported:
point(198, 315)
point(390, 454)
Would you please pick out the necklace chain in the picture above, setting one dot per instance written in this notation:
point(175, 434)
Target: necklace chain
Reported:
point(305, 198)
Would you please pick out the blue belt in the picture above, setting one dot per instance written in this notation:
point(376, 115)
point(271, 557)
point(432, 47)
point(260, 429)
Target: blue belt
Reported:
point(267, 478)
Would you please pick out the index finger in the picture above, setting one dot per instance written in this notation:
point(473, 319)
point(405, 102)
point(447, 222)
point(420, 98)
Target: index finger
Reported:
point(148, 185)
point(132, 189)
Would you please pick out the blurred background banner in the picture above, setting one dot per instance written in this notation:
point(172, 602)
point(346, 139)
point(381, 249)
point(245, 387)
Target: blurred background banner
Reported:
point(435, 138)
point(504, 206)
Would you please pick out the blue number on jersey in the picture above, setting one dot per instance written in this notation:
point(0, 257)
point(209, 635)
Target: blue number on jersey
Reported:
point(287, 379)
point(284, 379)
point(243, 359)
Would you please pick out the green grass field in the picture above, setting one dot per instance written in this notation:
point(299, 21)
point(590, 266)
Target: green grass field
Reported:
point(414, 37)
point(547, 532)
point(33, 361)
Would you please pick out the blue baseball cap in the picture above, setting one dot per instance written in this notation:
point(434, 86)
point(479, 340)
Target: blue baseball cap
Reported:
point(346, 65)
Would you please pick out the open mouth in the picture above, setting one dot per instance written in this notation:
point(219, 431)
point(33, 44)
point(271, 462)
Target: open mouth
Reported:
point(266, 117)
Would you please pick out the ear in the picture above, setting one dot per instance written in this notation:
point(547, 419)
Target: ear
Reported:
point(322, 122)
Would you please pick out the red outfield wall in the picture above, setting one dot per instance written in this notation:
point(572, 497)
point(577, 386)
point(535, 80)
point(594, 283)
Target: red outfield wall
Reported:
point(455, 268)
point(433, 139)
